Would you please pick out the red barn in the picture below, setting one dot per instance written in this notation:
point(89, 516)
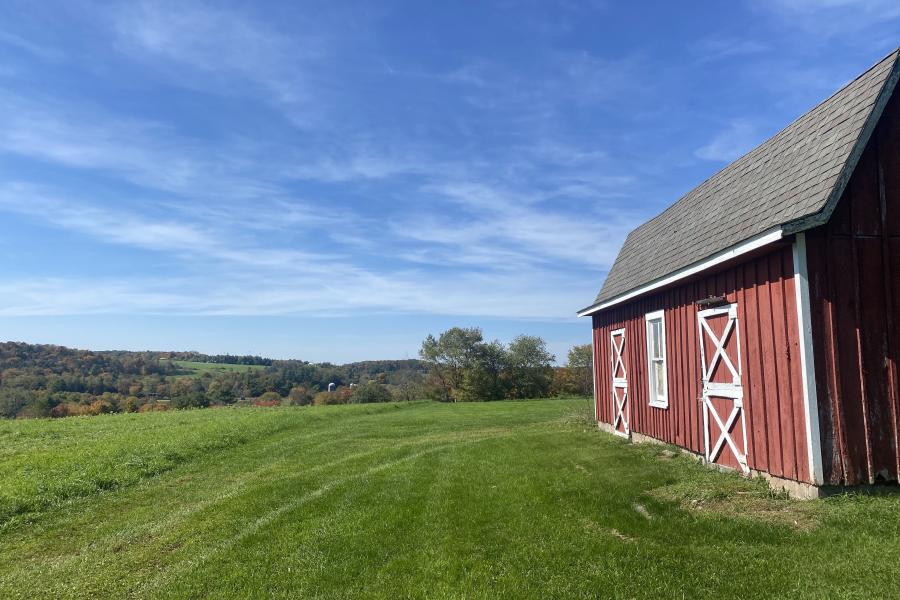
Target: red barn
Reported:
point(756, 321)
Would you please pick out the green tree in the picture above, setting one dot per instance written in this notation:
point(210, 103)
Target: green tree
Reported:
point(410, 386)
point(448, 357)
point(530, 367)
point(483, 379)
point(220, 392)
point(581, 364)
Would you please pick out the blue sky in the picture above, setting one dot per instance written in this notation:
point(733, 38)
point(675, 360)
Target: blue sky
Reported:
point(332, 181)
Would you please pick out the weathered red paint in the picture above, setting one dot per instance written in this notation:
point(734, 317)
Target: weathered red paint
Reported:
point(763, 289)
point(854, 273)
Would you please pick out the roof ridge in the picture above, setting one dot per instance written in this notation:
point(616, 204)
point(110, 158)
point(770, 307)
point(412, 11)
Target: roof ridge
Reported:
point(790, 181)
point(895, 53)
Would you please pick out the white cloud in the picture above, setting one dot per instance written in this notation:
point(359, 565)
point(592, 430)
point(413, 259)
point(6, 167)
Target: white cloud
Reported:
point(737, 139)
point(206, 47)
point(142, 152)
point(163, 234)
point(248, 279)
point(507, 231)
point(512, 230)
point(538, 97)
point(888, 7)
point(719, 47)
point(470, 295)
point(824, 19)
point(41, 51)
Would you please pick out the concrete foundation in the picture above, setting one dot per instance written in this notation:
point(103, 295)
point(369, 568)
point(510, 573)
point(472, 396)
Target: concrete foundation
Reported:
point(795, 489)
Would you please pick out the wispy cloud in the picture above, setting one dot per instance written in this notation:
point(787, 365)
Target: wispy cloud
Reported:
point(270, 280)
point(562, 79)
point(505, 228)
point(828, 18)
point(159, 233)
point(509, 230)
point(207, 46)
point(141, 151)
point(734, 141)
point(720, 47)
point(445, 180)
point(40, 51)
point(503, 296)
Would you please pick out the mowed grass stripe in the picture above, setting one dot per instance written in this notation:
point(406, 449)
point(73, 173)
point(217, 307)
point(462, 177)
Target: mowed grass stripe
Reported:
point(519, 499)
point(273, 537)
point(297, 467)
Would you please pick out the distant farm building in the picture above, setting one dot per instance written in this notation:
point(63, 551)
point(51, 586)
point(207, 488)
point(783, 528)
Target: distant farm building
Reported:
point(756, 321)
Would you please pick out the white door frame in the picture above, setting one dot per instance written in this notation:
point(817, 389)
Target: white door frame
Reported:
point(621, 405)
point(732, 390)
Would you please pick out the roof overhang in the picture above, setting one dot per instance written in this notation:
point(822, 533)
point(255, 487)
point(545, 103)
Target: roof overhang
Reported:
point(747, 246)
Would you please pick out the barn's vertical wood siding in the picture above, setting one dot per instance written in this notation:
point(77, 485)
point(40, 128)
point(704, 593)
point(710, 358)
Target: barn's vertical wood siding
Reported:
point(854, 271)
point(763, 289)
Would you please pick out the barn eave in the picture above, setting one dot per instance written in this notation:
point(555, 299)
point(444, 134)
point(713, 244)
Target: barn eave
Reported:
point(779, 232)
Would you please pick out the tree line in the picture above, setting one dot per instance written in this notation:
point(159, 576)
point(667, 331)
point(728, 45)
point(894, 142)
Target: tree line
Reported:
point(463, 367)
point(55, 381)
point(456, 366)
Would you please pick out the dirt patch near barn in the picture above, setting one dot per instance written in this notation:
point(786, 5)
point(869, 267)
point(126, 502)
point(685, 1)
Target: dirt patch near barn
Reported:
point(740, 498)
point(742, 504)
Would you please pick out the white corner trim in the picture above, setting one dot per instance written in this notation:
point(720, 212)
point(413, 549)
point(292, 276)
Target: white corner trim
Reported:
point(594, 373)
point(757, 241)
point(807, 362)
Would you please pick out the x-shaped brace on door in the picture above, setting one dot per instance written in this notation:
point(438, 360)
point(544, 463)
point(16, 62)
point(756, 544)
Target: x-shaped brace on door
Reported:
point(725, 437)
point(618, 348)
point(620, 408)
point(720, 353)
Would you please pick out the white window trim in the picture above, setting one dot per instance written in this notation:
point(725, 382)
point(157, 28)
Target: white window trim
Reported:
point(653, 316)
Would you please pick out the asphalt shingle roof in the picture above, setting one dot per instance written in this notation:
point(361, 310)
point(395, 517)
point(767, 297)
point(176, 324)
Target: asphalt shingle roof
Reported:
point(793, 180)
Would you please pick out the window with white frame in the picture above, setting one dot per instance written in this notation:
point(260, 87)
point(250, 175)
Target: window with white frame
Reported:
point(656, 359)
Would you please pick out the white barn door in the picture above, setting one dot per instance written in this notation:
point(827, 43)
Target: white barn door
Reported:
point(621, 402)
point(724, 417)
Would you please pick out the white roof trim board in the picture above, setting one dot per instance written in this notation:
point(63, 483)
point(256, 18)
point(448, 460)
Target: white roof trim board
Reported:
point(750, 245)
point(790, 183)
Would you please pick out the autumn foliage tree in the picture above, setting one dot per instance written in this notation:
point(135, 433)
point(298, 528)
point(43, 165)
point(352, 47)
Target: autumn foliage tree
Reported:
point(45, 380)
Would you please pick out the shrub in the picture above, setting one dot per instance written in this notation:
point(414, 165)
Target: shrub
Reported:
point(299, 396)
point(131, 404)
point(268, 399)
point(339, 396)
point(190, 400)
point(369, 393)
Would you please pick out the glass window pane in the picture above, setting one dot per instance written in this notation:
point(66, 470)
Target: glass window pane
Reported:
point(660, 380)
point(654, 331)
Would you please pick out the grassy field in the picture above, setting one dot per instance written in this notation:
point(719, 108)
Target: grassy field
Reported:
point(196, 369)
point(505, 499)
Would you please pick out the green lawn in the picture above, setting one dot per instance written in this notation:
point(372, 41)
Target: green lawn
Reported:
point(504, 499)
point(196, 369)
